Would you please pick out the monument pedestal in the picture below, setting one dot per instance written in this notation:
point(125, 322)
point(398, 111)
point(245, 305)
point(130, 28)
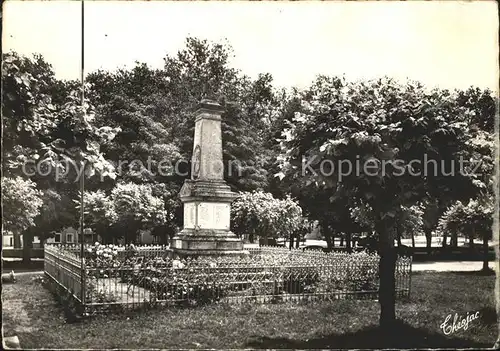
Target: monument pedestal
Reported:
point(206, 221)
point(206, 197)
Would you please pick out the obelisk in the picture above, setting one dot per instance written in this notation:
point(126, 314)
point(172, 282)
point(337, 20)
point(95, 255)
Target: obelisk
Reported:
point(206, 196)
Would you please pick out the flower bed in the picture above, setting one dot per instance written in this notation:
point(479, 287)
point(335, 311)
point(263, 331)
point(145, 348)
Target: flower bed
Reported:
point(133, 276)
point(210, 279)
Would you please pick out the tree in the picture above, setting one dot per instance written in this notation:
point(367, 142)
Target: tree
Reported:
point(134, 209)
point(28, 116)
point(430, 219)
point(243, 152)
point(173, 211)
point(99, 212)
point(21, 205)
point(57, 212)
point(49, 134)
point(477, 216)
point(45, 120)
point(410, 222)
point(383, 126)
point(473, 220)
point(259, 214)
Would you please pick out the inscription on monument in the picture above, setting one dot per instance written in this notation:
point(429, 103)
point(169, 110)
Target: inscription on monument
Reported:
point(205, 217)
point(222, 216)
point(189, 215)
point(211, 216)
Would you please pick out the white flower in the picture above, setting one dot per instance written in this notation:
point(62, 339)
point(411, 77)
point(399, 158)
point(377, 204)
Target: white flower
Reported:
point(177, 264)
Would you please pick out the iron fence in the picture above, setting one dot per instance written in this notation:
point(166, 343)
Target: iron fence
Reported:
point(149, 278)
point(64, 268)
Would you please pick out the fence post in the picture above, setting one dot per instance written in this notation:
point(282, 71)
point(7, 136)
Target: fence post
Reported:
point(409, 277)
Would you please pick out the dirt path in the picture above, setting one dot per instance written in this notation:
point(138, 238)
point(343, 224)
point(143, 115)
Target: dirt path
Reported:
point(451, 266)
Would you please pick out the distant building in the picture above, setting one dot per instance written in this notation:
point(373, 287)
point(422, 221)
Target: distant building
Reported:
point(8, 239)
point(315, 234)
point(71, 235)
point(68, 235)
point(145, 238)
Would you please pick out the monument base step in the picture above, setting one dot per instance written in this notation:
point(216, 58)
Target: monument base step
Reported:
point(207, 243)
point(206, 240)
point(193, 253)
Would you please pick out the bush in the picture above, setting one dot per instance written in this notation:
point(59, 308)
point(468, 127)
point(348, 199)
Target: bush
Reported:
point(185, 288)
point(299, 280)
point(98, 295)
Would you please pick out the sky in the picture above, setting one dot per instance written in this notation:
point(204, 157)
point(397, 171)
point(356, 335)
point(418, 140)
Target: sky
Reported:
point(447, 44)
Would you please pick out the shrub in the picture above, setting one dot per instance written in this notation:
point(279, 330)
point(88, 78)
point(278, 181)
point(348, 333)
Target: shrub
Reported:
point(98, 295)
point(299, 280)
point(102, 256)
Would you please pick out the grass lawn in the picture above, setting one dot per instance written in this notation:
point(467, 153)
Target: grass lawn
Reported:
point(30, 312)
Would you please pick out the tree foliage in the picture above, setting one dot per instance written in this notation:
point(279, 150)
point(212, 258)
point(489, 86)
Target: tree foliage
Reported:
point(21, 203)
point(46, 123)
point(260, 214)
point(135, 208)
point(472, 220)
point(372, 141)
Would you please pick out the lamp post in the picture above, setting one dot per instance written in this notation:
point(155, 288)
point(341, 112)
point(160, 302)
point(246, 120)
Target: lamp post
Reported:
point(82, 180)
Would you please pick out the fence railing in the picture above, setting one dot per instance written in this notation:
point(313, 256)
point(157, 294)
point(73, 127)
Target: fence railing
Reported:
point(65, 269)
point(145, 250)
point(270, 274)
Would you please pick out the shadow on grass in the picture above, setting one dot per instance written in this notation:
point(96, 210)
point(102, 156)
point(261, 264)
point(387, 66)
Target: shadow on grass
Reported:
point(401, 336)
point(20, 266)
point(478, 273)
point(481, 272)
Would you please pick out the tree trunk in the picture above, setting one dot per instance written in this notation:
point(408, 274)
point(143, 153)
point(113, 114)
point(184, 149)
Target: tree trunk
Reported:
point(428, 239)
point(471, 241)
point(445, 238)
point(454, 239)
point(398, 237)
point(341, 240)
point(27, 246)
point(329, 242)
point(292, 239)
point(387, 268)
point(412, 239)
point(348, 242)
point(251, 238)
point(486, 251)
point(17, 240)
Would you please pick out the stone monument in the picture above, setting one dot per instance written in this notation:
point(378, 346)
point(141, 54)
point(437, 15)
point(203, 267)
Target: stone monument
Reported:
point(206, 196)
